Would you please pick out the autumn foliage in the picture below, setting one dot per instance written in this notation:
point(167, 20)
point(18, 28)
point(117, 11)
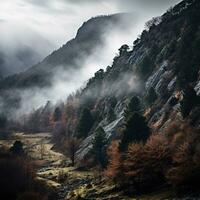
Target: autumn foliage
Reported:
point(114, 166)
point(171, 158)
point(185, 169)
point(145, 165)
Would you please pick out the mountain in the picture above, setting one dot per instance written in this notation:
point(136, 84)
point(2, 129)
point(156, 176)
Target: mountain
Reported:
point(139, 120)
point(65, 61)
point(69, 56)
point(162, 70)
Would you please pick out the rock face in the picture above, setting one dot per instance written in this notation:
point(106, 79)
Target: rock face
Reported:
point(110, 130)
point(156, 78)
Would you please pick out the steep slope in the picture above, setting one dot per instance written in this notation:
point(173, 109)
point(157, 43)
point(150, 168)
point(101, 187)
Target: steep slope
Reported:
point(164, 59)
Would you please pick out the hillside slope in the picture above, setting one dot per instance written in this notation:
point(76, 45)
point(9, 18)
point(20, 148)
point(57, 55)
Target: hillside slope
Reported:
point(164, 61)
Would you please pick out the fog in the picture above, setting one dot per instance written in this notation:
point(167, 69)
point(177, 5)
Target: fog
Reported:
point(66, 82)
point(39, 27)
point(20, 48)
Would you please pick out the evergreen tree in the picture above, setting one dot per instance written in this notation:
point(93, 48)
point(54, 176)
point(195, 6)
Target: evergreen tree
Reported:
point(133, 106)
point(189, 101)
point(136, 130)
point(123, 49)
point(85, 124)
point(98, 143)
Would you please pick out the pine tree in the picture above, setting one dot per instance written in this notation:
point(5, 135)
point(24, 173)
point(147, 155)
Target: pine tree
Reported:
point(133, 106)
point(85, 124)
point(136, 130)
point(98, 143)
point(123, 49)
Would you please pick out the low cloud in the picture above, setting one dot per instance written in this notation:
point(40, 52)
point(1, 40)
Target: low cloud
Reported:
point(46, 25)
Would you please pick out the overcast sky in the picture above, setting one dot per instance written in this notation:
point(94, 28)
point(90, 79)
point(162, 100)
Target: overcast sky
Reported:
point(58, 20)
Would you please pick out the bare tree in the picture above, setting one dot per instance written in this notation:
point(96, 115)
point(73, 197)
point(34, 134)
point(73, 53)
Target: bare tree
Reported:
point(72, 145)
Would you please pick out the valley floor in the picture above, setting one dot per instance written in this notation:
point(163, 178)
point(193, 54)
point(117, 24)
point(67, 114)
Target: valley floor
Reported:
point(68, 182)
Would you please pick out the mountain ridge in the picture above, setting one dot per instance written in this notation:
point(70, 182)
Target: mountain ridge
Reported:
point(68, 59)
point(86, 39)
